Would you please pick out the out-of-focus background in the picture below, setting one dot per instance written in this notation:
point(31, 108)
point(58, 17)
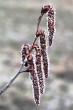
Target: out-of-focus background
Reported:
point(18, 19)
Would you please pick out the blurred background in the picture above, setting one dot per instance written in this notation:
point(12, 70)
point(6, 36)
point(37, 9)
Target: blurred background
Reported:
point(18, 19)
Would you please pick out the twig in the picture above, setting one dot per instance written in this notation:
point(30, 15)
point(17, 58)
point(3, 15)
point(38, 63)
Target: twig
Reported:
point(38, 23)
point(35, 63)
point(11, 81)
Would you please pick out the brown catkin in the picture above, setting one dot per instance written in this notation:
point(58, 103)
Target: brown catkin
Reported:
point(24, 51)
point(51, 24)
point(39, 69)
point(37, 65)
point(43, 51)
point(50, 21)
point(32, 71)
point(34, 64)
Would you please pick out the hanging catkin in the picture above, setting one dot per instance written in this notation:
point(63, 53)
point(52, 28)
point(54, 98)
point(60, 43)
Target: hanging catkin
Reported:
point(39, 69)
point(43, 51)
point(50, 21)
point(32, 71)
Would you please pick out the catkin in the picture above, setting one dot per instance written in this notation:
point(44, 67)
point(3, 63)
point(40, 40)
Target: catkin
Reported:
point(51, 24)
point(44, 54)
point(34, 64)
point(50, 21)
point(38, 66)
point(41, 34)
point(34, 79)
point(24, 52)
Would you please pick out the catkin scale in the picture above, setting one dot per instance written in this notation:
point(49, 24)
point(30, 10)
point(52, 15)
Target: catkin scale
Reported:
point(45, 9)
point(38, 66)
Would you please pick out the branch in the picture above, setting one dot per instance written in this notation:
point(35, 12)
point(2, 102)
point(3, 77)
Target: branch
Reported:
point(11, 81)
